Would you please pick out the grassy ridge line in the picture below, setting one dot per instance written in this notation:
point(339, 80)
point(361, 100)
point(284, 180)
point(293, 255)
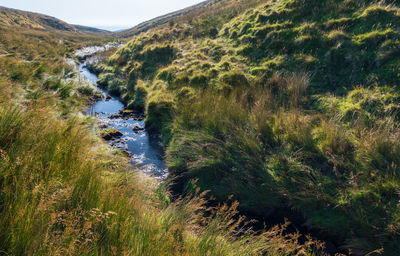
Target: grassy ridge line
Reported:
point(190, 14)
point(29, 20)
point(89, 30)
point(63, 192)
point(292, 107)
point(158, 21)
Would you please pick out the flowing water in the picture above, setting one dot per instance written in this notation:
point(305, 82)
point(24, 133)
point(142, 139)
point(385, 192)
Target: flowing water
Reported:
point(143, 148)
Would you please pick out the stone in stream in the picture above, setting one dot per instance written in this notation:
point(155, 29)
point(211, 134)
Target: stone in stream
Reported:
point(111, 134)
point(108, 98)
point(126, 113)
point(114, 116)
point(103, 126)
point(137, 128)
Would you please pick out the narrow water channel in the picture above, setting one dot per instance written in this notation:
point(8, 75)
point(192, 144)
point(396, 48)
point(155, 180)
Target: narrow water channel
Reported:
point(143, 148)
point(146, 153)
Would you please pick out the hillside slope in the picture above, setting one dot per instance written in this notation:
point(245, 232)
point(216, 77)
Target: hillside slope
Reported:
point(190, 13)
point(292, 107)
point(29, 20)
point(64, 191)
point(87, 29)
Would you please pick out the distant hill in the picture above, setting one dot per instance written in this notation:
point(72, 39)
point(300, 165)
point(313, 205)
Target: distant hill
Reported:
point(30, 20)
point(91, 29)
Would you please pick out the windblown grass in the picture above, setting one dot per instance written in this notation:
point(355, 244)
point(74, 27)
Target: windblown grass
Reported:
point(64, 192)
point(255, 146)
point(60, 196)
point(291, 107)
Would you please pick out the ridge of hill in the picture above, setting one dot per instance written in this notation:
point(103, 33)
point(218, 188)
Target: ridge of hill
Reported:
point(146, 25)
point(187, 14)
point(30, 20)
point(87, 29)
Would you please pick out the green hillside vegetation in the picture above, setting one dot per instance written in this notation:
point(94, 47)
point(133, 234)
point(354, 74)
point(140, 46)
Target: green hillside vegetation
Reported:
point(63, 191)
point(291, 107)
point(218, 9)
point(29, 20)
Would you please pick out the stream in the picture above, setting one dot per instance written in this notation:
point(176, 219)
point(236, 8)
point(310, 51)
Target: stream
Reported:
point(144, 149)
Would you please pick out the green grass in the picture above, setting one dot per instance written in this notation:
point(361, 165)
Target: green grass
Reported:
point(63, 191)
point(58, 196)
point(270, 155)
point(291, 107)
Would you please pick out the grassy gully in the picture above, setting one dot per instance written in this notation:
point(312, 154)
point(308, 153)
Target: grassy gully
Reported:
point(290, 107)
point(63, 191)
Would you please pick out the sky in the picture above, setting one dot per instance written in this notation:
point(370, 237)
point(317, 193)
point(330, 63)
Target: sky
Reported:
point(106, 14)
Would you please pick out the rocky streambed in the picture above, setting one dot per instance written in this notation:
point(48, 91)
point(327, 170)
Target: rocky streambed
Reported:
point(125, 129)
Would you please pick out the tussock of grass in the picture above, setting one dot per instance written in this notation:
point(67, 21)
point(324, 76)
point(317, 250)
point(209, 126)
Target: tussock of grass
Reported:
point(252, 135)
